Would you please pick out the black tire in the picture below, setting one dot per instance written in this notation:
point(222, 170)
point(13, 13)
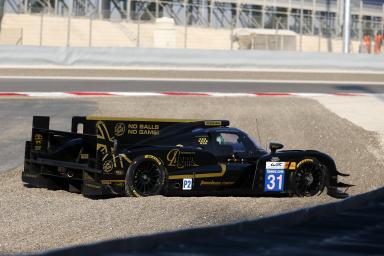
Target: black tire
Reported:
point(145, 177)
point(309, 178)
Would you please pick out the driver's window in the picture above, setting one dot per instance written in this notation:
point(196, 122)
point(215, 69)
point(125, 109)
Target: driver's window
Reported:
point(230, 139)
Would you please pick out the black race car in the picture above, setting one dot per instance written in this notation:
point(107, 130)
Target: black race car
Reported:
point(144, 157)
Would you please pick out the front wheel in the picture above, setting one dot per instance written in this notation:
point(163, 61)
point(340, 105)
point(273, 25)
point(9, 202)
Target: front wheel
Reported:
point(309, 178)
point(145, 177)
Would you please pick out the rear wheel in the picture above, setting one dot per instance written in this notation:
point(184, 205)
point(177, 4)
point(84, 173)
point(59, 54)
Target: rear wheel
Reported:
point(145, 177)
point(309, 178)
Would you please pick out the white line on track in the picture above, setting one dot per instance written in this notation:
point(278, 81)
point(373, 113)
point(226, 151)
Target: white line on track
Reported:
point(188, 80)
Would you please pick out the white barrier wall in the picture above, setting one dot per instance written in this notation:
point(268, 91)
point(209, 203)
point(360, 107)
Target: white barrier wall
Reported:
point(184, 58)
point(50, 30)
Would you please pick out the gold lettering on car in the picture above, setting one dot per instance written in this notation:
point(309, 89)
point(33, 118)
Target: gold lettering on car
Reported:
point(157, 160)
point(84, 156)
point(181, 159)
point(212, 123)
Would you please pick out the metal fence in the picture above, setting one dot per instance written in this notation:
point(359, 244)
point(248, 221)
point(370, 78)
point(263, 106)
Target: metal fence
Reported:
point(195, 26)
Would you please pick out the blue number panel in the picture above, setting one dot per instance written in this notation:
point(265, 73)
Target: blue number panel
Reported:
point(274, 180)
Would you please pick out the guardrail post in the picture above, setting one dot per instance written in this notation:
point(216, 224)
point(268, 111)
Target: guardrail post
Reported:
point(263, 15)
point(301, 25)
point(90, 30)
point(128, 10)
point(347, 21)
point(238, 4)
point(25, 6)
point(41, 28)
point(212, 4)
point(56, 6)
point(186, 23)
point(313, 17)
point(157, 9)
point(69, 25)
point(138, 32)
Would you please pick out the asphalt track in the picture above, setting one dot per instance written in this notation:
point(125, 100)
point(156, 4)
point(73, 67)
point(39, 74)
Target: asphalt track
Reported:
point(131, 85)
point(16, 117)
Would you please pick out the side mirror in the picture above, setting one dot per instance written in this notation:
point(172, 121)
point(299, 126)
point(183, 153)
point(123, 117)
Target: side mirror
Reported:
point(273, 146)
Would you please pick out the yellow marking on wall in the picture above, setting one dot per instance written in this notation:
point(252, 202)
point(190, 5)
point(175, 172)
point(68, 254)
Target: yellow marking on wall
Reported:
point(201, 175)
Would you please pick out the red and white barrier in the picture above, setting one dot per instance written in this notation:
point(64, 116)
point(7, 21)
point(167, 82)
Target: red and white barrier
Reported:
point(199, 94)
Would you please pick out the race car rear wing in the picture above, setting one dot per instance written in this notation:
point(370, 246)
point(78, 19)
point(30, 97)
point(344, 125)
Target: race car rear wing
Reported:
point(134, 130)
point(100, 135)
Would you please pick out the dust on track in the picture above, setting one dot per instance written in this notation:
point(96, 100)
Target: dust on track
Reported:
point(35, 219)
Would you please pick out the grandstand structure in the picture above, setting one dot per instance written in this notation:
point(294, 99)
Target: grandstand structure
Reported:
point(317, 18)
point(216, 13)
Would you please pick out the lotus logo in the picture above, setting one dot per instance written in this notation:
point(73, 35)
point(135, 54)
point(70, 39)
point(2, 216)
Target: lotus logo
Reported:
point(119, 129)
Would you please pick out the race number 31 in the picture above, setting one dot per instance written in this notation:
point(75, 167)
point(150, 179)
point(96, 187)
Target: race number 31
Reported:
point(187, 184)
point(274, 180)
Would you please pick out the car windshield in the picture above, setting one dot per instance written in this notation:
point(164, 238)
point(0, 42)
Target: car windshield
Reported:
point(239, 142)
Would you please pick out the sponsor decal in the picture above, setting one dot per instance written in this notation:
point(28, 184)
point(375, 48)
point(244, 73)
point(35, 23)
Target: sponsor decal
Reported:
point(187, 184)
point(110, 182)
point(276, 165)
point(143, 129)
point(274, 180)
point(181, 159)
point(157, 160)
point(216, 183)
point(84, 156)
point(38, 139)
point(203, 140)
point(108, 166)
point(292, 166)
point(119, 129)
point(212, 123)
point(304, 161)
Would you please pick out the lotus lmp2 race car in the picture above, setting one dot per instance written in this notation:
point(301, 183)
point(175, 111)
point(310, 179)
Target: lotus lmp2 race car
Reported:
point(144, 157)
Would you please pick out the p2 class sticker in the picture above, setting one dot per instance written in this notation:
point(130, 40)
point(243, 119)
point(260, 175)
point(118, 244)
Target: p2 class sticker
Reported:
point(187, 184)
point(274, 180)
